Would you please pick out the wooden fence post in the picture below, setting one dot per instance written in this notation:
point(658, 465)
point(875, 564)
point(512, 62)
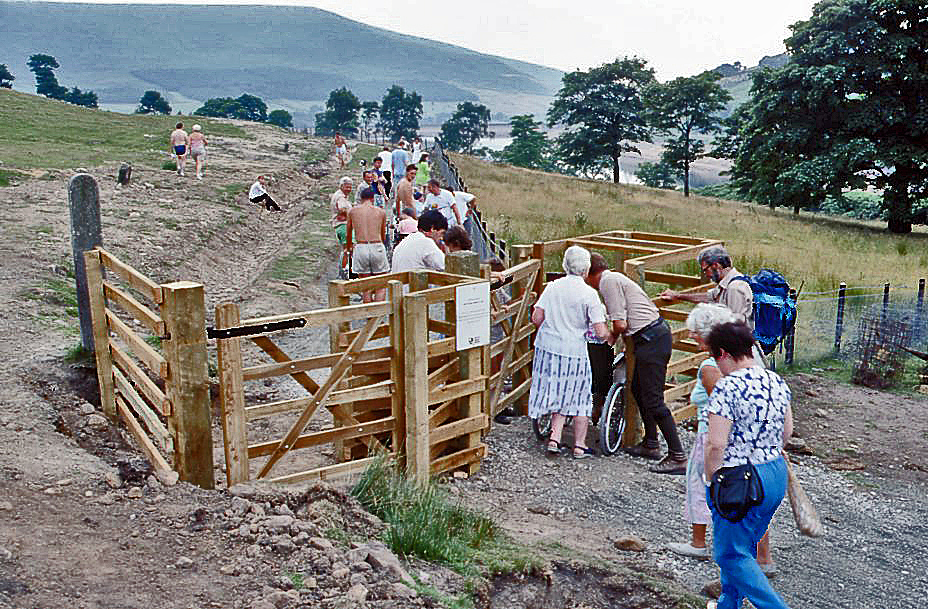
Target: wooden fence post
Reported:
point(919, 304)
point(232, 396)
point(101, 333)
point(520, 254)
point(634, 429)
point(395, 296)
point(791, 336)
point(839, 319)
point(416, 379)
point(885, 302)
point(187, 383)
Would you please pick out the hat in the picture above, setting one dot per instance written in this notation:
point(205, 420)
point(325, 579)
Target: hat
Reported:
point(196, 127)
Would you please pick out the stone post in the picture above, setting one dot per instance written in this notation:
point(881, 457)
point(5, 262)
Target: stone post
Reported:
point(86, 234)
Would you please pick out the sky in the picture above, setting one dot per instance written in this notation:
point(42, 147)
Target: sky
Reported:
point(676, 37)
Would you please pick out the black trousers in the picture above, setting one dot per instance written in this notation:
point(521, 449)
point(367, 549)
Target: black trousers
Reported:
point(601, 358)
point(269, 203)
point(651, 358)
point(389, 185)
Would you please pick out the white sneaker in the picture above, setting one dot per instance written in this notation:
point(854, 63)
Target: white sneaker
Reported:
point(688, 549)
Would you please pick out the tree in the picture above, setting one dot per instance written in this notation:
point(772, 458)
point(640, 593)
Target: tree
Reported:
point(250, 108)
point(848, 111)
point(46, 84)
point(683, 108)
point(400, 113)
point(6, 78)
point(217, 107)
point(370, 110)
point(151, 102)
point(530, 146)
point(341, 113)
point(75, 96)
point(657, 175)
point(281, 118)
point(604, 114)
point(469, 123)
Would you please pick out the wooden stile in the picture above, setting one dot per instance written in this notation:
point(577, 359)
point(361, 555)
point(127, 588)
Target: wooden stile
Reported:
point(146, 316)
point(141, 381)
point(101, 339)
point(140, 282)
point(142, 350)
point(232, 397)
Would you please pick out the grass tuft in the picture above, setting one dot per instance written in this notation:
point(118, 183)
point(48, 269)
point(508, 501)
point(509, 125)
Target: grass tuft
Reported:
point(169, 165)
point(426, 523)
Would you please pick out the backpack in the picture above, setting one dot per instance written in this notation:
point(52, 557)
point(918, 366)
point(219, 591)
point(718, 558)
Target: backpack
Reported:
point(774, 310)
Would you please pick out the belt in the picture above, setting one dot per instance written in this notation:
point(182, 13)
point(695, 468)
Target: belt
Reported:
point(650, 326)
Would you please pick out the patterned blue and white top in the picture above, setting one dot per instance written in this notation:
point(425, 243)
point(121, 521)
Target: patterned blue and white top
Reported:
point(755, 401)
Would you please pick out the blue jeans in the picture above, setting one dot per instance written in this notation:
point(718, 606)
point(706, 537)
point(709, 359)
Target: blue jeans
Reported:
point(735, 545)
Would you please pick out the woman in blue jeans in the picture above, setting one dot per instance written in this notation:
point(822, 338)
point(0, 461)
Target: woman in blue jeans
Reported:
point(749, 419)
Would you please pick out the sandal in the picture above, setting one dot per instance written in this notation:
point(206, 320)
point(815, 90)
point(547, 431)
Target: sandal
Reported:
point(553, 450)
point(585, 452)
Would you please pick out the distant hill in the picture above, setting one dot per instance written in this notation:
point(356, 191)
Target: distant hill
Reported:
point(291, 56)
point(737, 80)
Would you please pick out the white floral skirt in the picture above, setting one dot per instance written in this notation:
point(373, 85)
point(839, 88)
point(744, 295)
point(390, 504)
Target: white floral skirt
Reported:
point(560, 383)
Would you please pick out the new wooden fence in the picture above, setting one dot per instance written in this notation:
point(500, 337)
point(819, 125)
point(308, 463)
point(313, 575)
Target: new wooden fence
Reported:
point(396, 385)
point(160, 393)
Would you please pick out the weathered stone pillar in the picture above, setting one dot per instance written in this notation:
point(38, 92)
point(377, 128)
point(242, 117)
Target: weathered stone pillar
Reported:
point(86, 234)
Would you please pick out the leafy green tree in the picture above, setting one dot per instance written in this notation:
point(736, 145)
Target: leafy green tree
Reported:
point(682, 109)
point(281, 118)
point(6, 78)
point(219, 107)
point(341, 113)
point(603, 111)
point(46, 83)
point(370, 110)
point(251, 108)
point(469, 123)
point(657, 175)
point(400, 113)
point(529, 147)
point(75, 96)
point(848, 111)
point(151, 102)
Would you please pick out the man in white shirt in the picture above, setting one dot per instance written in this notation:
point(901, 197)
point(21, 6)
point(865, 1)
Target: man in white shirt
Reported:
point(462, 201)
point(420, 251)
point(258, 195)
point(443, 201)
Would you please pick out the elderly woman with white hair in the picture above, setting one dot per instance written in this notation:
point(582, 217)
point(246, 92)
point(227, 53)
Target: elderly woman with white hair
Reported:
point(341, 205)
point(561, 375)
point(700, 322)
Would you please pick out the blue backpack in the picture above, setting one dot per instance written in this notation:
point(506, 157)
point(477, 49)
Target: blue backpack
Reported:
point(774, 310)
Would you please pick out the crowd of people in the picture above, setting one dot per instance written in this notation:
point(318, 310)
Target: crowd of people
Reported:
point(743, 409)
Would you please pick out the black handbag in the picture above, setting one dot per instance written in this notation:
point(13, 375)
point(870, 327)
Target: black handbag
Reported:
point(735, 490)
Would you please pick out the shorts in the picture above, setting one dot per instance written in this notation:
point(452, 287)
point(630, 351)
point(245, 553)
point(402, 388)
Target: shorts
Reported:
point(180, 150)
point(197, 153)
point(341, 150)
point(369, 258)
point(341, 231)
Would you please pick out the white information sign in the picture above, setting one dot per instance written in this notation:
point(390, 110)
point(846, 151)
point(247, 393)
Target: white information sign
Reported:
point(472, 304)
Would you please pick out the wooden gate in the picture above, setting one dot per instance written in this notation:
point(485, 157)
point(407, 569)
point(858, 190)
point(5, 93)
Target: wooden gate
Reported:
point(172, 423)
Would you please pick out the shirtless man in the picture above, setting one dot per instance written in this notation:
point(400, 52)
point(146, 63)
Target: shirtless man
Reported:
point(179, 141)
point(367, 230)
point(404, 190)
point(341, 150)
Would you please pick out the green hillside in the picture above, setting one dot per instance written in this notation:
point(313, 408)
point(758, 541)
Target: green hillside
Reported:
point(36, 132)
point(275, 52)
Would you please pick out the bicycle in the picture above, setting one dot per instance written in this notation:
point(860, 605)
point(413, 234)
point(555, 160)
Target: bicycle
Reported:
point(611, 424)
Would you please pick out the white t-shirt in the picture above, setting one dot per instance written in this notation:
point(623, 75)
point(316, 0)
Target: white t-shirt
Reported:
point(443, 202)
point(417, 252)
point(387, 160)
point(256, 190)
point(570, 307)
point(461, 199)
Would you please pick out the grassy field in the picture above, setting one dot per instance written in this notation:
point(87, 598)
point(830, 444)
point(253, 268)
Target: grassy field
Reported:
point(36, 132)
point(525, 206)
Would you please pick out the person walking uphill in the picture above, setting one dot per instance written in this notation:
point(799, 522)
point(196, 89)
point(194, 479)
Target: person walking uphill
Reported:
point(179, 142)
point(561, 376)
point(750, 418)
point(634, 315)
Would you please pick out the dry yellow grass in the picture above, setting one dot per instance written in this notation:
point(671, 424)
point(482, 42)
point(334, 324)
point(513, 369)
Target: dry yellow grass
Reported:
point(525, 206)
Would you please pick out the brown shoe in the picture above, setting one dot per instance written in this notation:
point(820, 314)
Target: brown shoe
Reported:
point(640, 450)
point(670, 465)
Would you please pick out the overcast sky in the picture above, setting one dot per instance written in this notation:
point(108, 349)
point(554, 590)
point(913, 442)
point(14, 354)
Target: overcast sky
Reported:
point(676, 37)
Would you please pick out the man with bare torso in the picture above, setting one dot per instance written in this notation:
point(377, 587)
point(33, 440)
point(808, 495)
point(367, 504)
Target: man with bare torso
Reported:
point(367, 230)
point(179, 141)
point(341, 150)
point(405, 188)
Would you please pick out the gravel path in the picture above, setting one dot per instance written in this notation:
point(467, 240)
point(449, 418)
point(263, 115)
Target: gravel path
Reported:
point(871, 556)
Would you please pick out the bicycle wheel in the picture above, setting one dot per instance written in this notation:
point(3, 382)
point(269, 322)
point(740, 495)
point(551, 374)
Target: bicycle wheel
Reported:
point(612, 420)
point(542, 426)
